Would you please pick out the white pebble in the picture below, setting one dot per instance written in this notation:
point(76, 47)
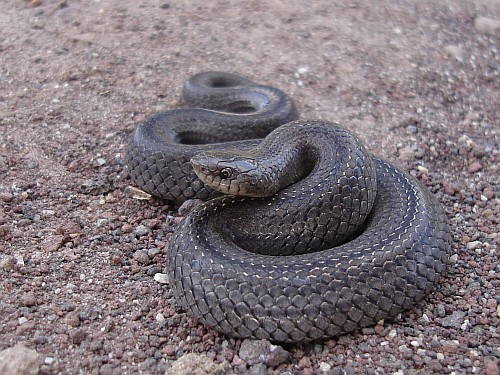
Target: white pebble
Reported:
point(421, 352)
point(464, 325)
point(415, 343)
point(19, 260)
point(487, 25)
point(161, 278)
point(102, 222)
point(473, 245)
point(440, 356)
point(160, 318)
point(454, 51)
point(324, 367)
point(22, 320)
point(48, 360)
point(422, 169)
point(474, 353)
point(302, 70)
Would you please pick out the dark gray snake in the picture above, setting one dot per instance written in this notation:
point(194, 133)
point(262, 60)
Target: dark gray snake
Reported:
point(344, 241)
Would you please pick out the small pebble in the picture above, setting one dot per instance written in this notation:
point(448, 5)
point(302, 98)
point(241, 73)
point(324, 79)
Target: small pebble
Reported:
point(28, 299)
point(8, 263)
point(48, 360)
point(153, 252)
point(6, 197)
point(31, 165)
point(473, 245)
point(325, 367)
point(101, 222)
point(19, 360)
point(193, 363)
point(454, 320)
point(53, 243)
point(127, 228)
point(478, 151)
point(411, 129)
point(78, 336)
point(403, 348)
point(406, 154)
point(302, 70)
point(454, 51)
point(141, 230)
point(422, 170)
point(474, 167)
point(488, 193)
point(161, 278)
point(255, 351)
point(492, 366)
point(424, 319)
point(487, 25)
point(450, 346)
point(465, 325)
point(419, 152)
point(142, 257)
point(160, 318)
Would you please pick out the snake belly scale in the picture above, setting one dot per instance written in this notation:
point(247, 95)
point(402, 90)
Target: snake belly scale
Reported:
point(338, 241)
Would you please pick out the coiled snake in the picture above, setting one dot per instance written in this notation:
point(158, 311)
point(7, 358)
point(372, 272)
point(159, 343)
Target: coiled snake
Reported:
point(341, 240)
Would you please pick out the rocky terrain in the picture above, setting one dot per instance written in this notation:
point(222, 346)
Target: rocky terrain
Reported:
point(82, 283)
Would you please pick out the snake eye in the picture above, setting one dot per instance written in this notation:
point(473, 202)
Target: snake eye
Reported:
point(226, 173)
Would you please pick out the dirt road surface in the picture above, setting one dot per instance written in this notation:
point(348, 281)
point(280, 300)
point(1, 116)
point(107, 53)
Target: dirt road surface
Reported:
point(418, 82)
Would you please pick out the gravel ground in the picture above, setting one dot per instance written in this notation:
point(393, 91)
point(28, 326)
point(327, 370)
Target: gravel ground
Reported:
point(81, 261)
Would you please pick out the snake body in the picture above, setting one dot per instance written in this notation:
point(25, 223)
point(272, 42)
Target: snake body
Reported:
point(344, 240)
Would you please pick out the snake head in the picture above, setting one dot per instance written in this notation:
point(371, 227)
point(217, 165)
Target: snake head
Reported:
point(234, 175)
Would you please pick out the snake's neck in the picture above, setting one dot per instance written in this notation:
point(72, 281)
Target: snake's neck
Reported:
point(291, 164)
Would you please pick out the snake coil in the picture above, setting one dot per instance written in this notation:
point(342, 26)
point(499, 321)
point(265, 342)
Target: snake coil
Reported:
point(344, 240)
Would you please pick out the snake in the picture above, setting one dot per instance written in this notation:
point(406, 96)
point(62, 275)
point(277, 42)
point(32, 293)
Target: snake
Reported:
point(303, 234)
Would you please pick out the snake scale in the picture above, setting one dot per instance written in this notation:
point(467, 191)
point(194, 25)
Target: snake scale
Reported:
point(322, 239)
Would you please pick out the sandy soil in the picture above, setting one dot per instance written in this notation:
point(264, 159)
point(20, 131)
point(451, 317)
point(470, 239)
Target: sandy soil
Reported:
point(417, 81)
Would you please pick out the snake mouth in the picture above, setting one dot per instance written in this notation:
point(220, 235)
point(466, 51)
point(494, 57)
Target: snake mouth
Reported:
point(199, 167)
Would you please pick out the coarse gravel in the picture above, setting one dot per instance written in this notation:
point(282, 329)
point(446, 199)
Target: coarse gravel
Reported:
point(83, 288)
